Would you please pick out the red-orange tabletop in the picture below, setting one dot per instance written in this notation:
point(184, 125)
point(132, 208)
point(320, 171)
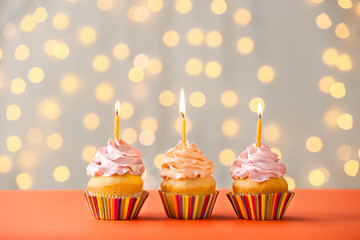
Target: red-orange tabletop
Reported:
point(64, 214)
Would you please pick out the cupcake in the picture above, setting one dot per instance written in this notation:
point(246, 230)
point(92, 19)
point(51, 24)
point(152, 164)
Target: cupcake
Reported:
point(187, 187)
point(259, 190)
point(115, 188)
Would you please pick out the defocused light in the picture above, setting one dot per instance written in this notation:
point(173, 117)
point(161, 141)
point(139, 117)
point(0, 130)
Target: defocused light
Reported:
point(18, 86)
point(138, 14)
point(245, 45)
point(34, 135)
point(87, 35)
point(195, 36)
point(316, 178)
point(27, 24)
point(337, 90)
point(271, 133)
point(54, 141)
point(91, 121)
point(254, 103)
point(13, 143)
point(129, 135)
point(61, 50)
point(226, 157)
point(104, 5)
point(317, 1)
point(49, 47)
point(230, 128)
point(345, 121)
point(330, 56)
point(218, 6)
point(158, 160)
point(314, 144)
point(179, 125)
point(242, 16)
point(150, 182)
point(88, 153)
point(40, 15)
point(213, 39)
point(351, 168)
point(26, 159)
point(141, 61)
point(171, 38)
point(5, 164)
point(344, 62)
point(127, 110)
point(197, 99)
point(60, 21)
point(104, 92)
point(24, 181)
point(69, 83)
point(291, 183)
point(358, 8)
point(121, 51)
point(13, 112)
point(140, 91)
point(323, 21)
point(183, 6)
point(342, 31)
point(36, 75)
point(193, 66)
point(155, 66)
point(326, 83)
point(61, 174)
point(213, 69)
point(136, 75)
point(346, 4)
point(50, 109)
point(166, 98)
point(147, 138)
point(343, 152)
point(101, 63)
point(330, 117)
point(229, 98)
point(149, 124)
point(277, 151)
point(22, 52)
point(155, 5)
point(265, 73)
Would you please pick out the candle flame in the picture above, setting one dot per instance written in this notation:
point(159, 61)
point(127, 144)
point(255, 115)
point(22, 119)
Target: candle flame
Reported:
point(117, 107)
point(182, 103)
point(260, 110)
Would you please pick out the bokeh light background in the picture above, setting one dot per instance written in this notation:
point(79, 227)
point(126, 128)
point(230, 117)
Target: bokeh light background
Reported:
point(63, 65)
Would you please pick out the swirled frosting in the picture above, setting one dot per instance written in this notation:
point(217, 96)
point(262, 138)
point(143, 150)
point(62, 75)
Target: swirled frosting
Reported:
point(186, 163)
point(258, 164)
point(116, 159)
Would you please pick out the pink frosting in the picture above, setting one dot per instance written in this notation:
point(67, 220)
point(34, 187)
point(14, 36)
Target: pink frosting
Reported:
point(116, 159)
point(258, 164)
point(186, 163)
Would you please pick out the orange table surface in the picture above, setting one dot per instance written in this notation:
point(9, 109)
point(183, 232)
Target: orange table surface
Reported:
point(64, 214)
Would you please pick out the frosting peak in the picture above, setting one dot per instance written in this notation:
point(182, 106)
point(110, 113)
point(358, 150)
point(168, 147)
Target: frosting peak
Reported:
point(258, 164)
point(186, 163)
point(116, 159)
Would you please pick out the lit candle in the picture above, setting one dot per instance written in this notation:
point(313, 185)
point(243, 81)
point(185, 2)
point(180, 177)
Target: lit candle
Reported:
point(116, 128)
point(259, 123)
point(182, 112)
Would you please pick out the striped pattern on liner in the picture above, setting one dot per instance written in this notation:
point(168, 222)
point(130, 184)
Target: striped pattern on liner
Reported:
point(188, 207)
point(260, 206)
point(108, 208)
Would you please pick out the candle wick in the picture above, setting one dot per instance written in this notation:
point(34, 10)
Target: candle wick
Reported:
point(259, 115)
point(182, 114)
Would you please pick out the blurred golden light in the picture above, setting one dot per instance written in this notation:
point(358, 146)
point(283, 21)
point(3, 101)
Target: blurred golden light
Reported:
point(13, 143)
point(230, 128)
point(213, 69)
point(342, 31)
point(197, 99)
point(213, 39)
point(277, 151)
point(155, 66)
point(101, 63)
point(136, 75)
point(171, 38)
point(195, 36)
point(183, 6)
point(323, 21)
point(179, 125)
point(121, 51)
point(193, 66)
point(291, 183)
point(129, 135)
point(218, 6)
point(326, 83)
point(330, 117)
point(344, 62)
point(61, 50)
point(141, 61)
point(147, 138)
point(229, 98)
point(337, 90)
point(314, 144)
point(155, 5)
point(346, 4)
point(69, 83)
point(317, 1)
point(254, 103)
point(245, 45)
point(54, 141)
point(149, 124)
point(265, 73)
point(271, 132)
point(88, 153)
point(22, 52)
point(18, 86)
point(127, 110)
point(34, 135)
point(91, 121)
point(166, 98)
point(330, 56)
point(158, 160)
point(60, 21)
point(40, 15)
point(351, 168)
point(343, 152)
point(13, 112)
point(36, 75)
point(345, 121)
point(140, 91)
point(24, 181)
point(49, 47)
point(316, 177)
point(5, 164)
point(358, 8)
point(61, 174)
point(242, 16)
point(87, 35)
point(27, 24)
point(138, 14)
point(50, 109)
point(26, 159)
point(104, 92)
point(104, 5)
point(227, 157)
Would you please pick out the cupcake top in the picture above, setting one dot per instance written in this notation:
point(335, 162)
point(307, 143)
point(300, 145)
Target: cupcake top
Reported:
point(118, 158)
point(186, 163)
point(258, 164)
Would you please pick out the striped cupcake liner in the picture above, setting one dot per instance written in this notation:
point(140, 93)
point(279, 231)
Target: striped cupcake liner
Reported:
point(260, 206)
point(110, 208)
point(188, 207)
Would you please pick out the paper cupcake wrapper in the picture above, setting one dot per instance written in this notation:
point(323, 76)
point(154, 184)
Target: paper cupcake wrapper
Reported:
point(188, 207)
point(260, 206)
point(110, 208)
